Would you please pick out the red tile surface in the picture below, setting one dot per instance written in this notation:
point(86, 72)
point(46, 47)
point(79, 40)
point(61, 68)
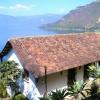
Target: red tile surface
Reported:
point(57, 53)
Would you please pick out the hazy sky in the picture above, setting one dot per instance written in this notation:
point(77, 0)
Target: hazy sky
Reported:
point(37, 7)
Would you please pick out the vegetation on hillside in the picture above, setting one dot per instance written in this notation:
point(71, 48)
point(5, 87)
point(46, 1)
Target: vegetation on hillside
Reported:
point(83, 19)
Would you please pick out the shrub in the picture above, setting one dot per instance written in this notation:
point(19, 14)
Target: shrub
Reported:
point(94, 71)
point(44, 98)
point(20, 96)
point(78, 88)
point(9, 73)
point(94, 89)
point(58, 94)
point(95, 97)
point(3, 92)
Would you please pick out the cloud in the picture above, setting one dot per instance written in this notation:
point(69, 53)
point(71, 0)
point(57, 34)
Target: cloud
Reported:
point(2, 7)
point(62, 10)
point(16, 7)
point(19, 6)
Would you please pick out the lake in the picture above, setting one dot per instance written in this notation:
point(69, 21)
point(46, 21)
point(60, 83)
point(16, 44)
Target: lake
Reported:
point(7, 34)
point(19, 26)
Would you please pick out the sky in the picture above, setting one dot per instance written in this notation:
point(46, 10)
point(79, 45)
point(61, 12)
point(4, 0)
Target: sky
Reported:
point(39, 7)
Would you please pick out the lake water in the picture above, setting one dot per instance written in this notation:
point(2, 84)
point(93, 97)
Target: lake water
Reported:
point(8, 34)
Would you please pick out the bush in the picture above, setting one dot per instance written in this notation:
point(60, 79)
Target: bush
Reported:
point(55, 95)
point(20, 96)
point(58, 94)
point(77, 89)
point(3, 92)
point(94, 97)
point(94, 71)
point(94, 89)
point(44, 98)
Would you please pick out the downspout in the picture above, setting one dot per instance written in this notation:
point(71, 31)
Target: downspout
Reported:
point(1, 59)
point(45, 80)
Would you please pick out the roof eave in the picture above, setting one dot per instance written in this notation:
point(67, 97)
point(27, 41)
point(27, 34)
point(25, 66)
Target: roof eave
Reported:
point(6, 49)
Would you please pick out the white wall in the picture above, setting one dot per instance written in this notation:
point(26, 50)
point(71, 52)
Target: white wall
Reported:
point(28, 88)
point(58, 81)
point(12, 56)
point(80, 73)
point(54, 81)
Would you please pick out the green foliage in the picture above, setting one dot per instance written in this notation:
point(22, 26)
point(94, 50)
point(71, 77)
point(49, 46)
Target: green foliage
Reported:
point(20, 96)
point(3, 92)
point(58, 94)
point(94, 88)
point(9, 74)
point(44, 98)
point(94, 97)
point(77, 88)
point(9, 71)
point(94, 71)
point(86, 22)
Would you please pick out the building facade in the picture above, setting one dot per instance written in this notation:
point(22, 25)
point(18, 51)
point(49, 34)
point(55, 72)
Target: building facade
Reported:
point(66, 58)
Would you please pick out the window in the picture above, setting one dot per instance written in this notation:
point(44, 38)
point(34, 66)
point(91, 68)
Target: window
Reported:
point(86, 73)
point(99, 63)
point(26, 75)
point(71, 76)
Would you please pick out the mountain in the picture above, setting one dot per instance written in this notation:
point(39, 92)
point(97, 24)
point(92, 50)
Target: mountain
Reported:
point(17, 26)
point(83, 18)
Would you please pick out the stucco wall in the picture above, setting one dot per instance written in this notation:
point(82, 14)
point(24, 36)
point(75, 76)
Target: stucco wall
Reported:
point(58, 80)
point(28, 88)
point(80, 73)
point(54, 81)
point(12, 56)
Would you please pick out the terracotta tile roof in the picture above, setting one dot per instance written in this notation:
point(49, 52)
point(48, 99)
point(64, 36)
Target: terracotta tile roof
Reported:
point(57, 53)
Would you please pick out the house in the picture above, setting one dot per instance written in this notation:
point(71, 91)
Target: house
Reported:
point(52, 62)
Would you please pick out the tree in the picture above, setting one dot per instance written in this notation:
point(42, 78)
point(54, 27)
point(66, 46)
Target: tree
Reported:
point(3, 92)
point(9, 73)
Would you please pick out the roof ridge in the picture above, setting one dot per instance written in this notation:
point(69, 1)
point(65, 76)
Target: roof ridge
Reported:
point(51, 35)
